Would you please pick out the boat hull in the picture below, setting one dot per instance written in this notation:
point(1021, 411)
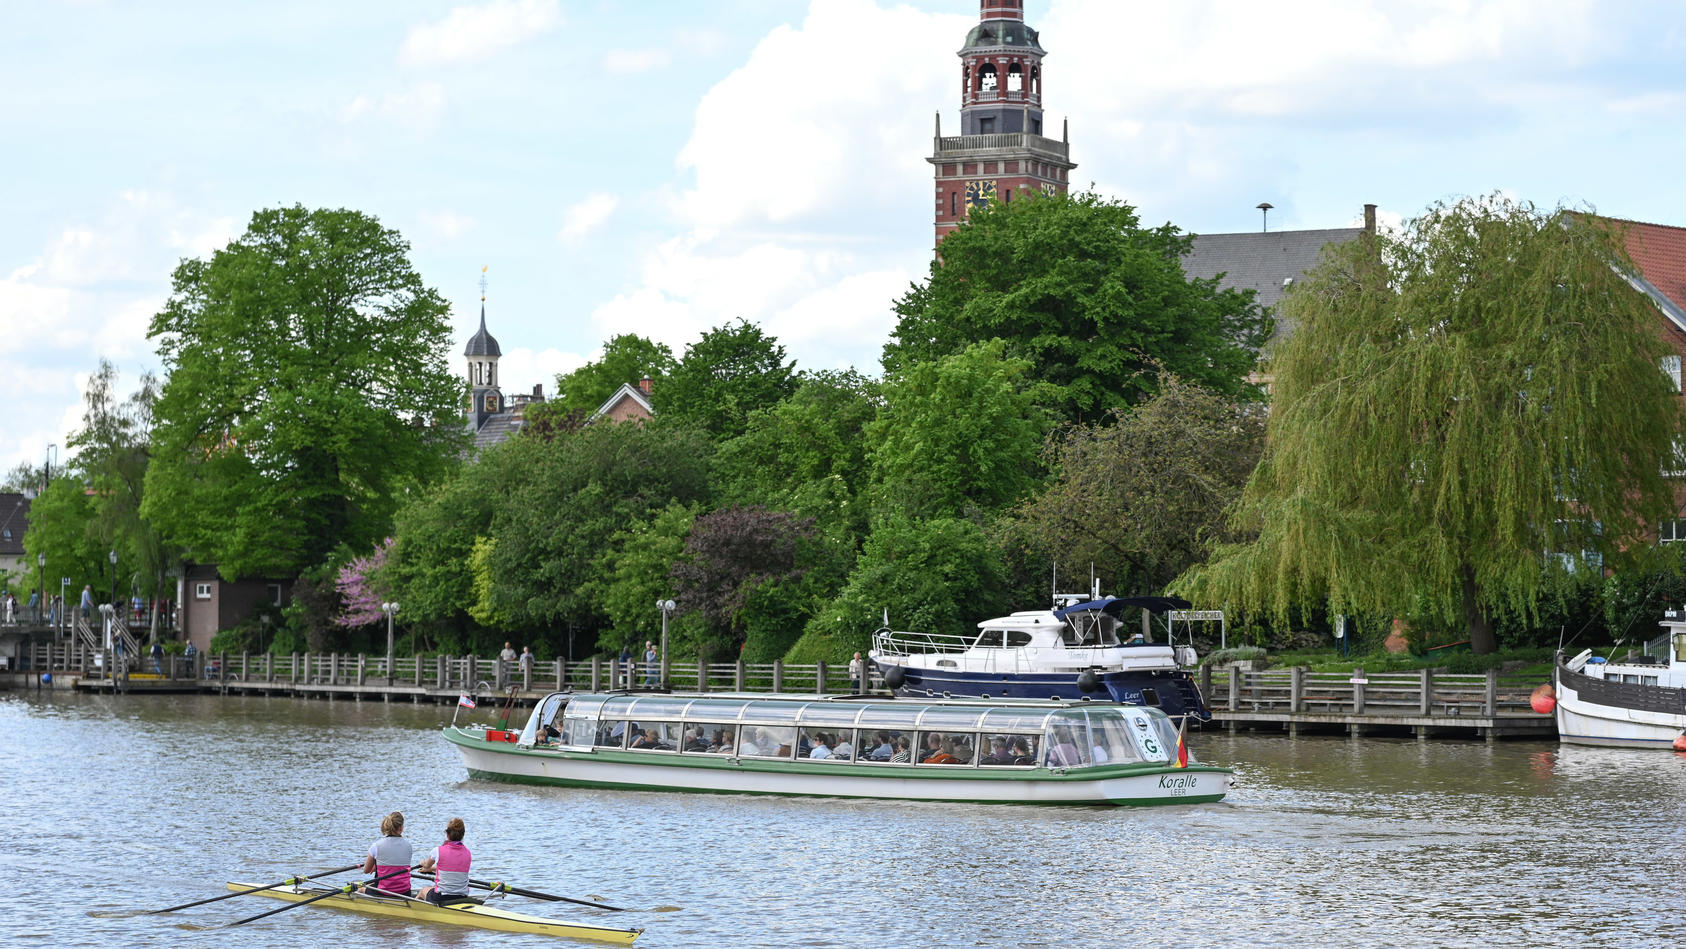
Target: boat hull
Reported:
point(1175, 692)
point(477, 916)
point(1593, 711)
point(1136, 785)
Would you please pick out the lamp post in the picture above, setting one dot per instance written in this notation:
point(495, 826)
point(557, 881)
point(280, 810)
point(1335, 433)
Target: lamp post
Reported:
point(112, 556)
point(667, 607)
point(391, 610)
point(41, 564)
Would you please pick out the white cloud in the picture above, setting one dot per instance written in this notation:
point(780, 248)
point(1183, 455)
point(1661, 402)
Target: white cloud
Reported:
point(471, 33)
point(626, 62)
point(521, 369)
point(417, 107)
point(587, 215)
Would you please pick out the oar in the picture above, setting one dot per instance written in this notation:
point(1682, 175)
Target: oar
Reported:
point(256, 889)
point(347, 889)
point(534, 894)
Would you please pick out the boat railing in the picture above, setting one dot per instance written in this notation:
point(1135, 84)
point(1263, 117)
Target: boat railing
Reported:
point(901, 644)
point(1423, 692)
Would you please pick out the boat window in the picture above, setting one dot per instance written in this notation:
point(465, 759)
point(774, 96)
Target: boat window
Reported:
point(664, 706)
point(1017, 638)
point(951, 718)
point(1110, 736)
point(830, 713)
point(577, 731)
point(1005, 749)
point(826, 744)
point(775, 713)
point(766, 741)
point(1015, 719)
point(656, 736)
point(946, 748)
point(611, 733)
point(1154, 735)
point(545, 719)
point(713, 738)
point(1068, 741)
point(885, 746)
point(991, 639)
point(898, 716)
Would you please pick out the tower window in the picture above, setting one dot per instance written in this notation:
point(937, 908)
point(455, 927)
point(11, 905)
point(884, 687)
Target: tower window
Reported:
point(1006, 195)
point(1015, 78)
point(986, 125)
point(1036, 126)
point(986, 77)
point(953, 203)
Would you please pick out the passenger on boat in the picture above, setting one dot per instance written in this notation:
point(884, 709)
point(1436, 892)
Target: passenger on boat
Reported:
point(748, 745)
point(822, 747)
point(933, 745)
point(1021, 752)
point(904, 750)
point(695, 740)
point(840, 747)
point(644, 739)
point(390, 854)
point(881, 750)
point(963, 750)
point(452, 860)
point(944, 753)
point(1064, 753)
point(997, 752)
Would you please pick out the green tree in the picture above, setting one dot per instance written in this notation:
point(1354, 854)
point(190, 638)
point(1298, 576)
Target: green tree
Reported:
point(1096, 302)
point(632, 575)
point(307, 390)
point(62, 526)
point(1140, 497)
point(626, 358)
point(1455, 406)
point(724, 377)
point(957, 432)
point(435, 536)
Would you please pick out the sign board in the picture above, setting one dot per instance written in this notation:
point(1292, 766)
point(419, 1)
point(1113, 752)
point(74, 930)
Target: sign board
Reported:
point(1357, 681)
point(1189, 616)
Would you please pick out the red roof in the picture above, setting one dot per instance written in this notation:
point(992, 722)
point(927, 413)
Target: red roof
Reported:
point(1660, 253)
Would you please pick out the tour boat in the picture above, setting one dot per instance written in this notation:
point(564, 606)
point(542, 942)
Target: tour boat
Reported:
point(1077, 648)
point(1006, 752)
point(1631, 704)
point(476, 915)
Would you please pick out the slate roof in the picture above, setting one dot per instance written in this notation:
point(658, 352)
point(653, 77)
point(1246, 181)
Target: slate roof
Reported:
point(497, 428)
point(14, 523)
point(482, 343)
point(1261, 261)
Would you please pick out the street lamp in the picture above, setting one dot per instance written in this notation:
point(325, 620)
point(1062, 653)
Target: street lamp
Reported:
point(113, 558)
point(391, 610)
point(41, 562)
point(667, 607)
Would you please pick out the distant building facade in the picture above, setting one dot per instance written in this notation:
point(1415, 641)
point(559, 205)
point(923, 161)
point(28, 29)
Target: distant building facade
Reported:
point(491, 418)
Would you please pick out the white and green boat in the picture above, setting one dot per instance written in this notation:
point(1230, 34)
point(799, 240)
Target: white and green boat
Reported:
point(1002, 752)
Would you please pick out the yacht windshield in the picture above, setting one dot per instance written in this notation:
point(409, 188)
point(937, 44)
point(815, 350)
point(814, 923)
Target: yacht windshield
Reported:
point(1090, 628)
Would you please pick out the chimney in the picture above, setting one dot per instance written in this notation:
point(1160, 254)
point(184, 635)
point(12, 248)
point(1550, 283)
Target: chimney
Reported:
point(645, 384)
point(1370, 218)
point(538, 392)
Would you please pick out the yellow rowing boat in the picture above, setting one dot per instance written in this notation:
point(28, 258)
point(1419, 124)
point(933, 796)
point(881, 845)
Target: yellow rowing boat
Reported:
point(468, 914)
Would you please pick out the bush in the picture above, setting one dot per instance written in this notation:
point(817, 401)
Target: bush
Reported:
point(1234, 654)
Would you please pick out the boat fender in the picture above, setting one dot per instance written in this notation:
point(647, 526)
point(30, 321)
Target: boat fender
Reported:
point(1543, 699)
point(895, 676)
point(1680, 742)
point(1087, 681)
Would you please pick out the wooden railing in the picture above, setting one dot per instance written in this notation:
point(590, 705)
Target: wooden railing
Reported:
point(1422, 692)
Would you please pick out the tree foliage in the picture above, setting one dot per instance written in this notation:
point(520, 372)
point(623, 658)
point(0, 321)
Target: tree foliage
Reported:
point(1454, 406)
point(1140, 496)
point(723, 377)
point(733, 553)
point(1096, 302)
point(633, 573)
point(960, 431)
point(360, 588)
point(307, 389)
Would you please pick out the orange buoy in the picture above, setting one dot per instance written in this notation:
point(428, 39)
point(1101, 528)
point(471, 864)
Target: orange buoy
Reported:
point(1543, 699)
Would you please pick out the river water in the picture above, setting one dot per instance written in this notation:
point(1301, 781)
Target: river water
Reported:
point(124, 803)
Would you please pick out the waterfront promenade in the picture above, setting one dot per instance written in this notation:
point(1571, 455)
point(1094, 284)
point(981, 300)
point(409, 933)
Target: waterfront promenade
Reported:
point(1422, 703)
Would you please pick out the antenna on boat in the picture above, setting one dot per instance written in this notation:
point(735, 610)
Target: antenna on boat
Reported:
point(1094, 583)
point(1055, 592)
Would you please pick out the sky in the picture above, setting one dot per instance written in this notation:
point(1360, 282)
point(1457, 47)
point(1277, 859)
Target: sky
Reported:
point(667, 166)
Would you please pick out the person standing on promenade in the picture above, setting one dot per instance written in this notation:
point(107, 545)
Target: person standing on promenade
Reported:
point(626, 664)
point(857, 672)
point(650, 657)
point(505, 660)
point(526, 668)
point(190, 653)
point(87, 600)
point(157, 657)
point(35, 605)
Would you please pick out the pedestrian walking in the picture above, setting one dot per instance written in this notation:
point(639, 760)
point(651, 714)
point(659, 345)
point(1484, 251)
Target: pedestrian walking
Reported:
point(35, 605)
point(87, 600)
point(857, 672)
point(650, 658)
point(190, 654)
point(526, 668)
point(11, 610)
point(626, 665)
point(157, 657)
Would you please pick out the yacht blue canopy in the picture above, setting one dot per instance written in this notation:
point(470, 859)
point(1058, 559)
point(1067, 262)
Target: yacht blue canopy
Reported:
point(1117, 604)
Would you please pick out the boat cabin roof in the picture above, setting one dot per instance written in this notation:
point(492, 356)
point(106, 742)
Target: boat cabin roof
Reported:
point(1026, 717)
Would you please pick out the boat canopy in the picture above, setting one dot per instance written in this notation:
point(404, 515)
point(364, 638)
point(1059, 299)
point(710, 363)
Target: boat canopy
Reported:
point(1117, 604)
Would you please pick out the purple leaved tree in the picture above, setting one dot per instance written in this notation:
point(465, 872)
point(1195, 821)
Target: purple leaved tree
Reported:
point(362, 602)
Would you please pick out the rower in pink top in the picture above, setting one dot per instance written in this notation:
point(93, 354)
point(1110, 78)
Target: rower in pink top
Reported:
point(390, 854)
point(451, 860)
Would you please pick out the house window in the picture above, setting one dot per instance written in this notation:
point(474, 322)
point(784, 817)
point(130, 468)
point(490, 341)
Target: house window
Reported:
point(986, 125)
point(201, 591)
point(1671, 531)
point(1671, 368)
point(275, 593)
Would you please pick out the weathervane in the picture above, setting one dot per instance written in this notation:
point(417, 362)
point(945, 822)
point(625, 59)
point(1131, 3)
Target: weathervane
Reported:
point(483, 283)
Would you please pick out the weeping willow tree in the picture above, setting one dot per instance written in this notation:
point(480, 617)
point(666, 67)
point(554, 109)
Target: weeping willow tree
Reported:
point(1461, 412)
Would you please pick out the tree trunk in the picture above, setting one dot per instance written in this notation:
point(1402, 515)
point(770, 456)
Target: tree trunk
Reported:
point(1481, 641)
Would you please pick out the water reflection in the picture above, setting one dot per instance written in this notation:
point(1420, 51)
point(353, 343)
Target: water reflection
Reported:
point(1359, 842)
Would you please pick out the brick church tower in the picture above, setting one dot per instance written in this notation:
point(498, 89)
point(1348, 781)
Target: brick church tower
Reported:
point(1001, 153)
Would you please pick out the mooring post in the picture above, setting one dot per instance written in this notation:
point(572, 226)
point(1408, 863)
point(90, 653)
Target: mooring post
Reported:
point(819, 677)
point(1490, 702)
point(1358, 690)
point(778, 675)
point(737, 677)
point(1427, 697)
point(702, 676)
point(1296, 684)
point(1234, 687)
point(596, 673)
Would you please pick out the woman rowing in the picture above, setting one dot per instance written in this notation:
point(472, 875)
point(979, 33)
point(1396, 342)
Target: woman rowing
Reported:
point(452, 860)
point(390, 854)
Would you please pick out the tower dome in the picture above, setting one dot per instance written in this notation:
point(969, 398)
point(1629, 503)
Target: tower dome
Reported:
point(482, 343)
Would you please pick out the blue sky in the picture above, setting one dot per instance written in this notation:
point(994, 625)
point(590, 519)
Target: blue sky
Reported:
point(663, 167)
